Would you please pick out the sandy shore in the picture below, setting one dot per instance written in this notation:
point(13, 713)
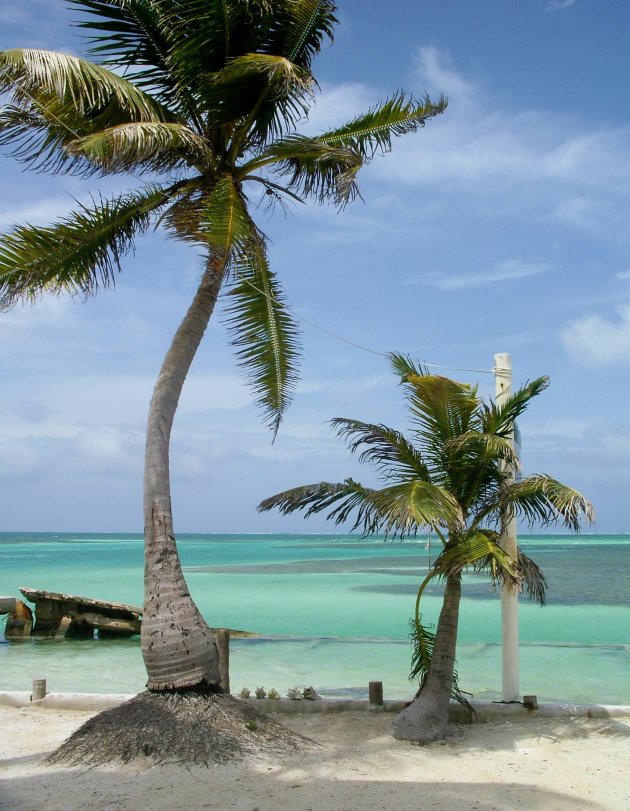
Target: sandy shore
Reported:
point(547, 764)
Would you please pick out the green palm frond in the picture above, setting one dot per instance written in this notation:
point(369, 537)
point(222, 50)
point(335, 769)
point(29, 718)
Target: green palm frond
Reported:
point(143, 146)
point(500, 419)
point(317, 170)
point(38, 135)
point(544, 500)
point(480, 550)
point(276, 75)
point(342, 499)
point(78, 254)
point(441, 410)
point(422, 644)
point(480, 446)
point(126, 33)
point(265, 336)
point(533, 581)
point(25, 73)
point(301, 28)
point(396, 511)
point(204, 34)
point(263, 95)
point(225, 225)
point(373, 131)
point(404, 366)
point(525, 574)
point(384, 447)
point(404, 508)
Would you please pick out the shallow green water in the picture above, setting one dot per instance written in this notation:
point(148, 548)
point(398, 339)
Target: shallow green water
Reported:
point(340, 606)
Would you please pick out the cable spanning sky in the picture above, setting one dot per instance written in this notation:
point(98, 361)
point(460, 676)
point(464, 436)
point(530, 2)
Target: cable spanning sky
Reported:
point(500, 227)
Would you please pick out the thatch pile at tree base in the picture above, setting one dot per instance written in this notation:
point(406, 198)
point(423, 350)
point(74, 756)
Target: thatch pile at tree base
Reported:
point(192, 727)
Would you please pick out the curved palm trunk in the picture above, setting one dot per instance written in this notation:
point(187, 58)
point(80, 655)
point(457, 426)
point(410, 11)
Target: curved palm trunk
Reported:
point(178, 647)
point(426, 719)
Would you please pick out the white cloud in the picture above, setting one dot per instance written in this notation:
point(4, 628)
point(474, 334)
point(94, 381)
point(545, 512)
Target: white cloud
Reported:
point(624, 276)
point(42, 212)
point(538, 164)
point(509, 270)
point(558, 5)
point(338, 104)
point(596, 340)
point(438, 74)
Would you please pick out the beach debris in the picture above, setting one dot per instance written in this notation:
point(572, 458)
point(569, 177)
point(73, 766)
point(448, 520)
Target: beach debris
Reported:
point(19, 621)
point(311, 694)
point(261, 692)
point(59, 615)
point(273, 693)
point(245, 692)
point(7, 604)
point(295, 693)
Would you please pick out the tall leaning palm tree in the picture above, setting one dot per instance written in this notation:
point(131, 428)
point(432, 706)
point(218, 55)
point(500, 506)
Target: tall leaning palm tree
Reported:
point(199, 100)
point(453, 477)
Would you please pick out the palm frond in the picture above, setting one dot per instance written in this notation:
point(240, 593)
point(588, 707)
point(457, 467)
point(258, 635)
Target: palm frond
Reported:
point(344, 498)
point(265, 336)
point(540, 499)
point(78, 254)
point(143, 146)
point(500, 420)
point(402, 509)
point(385, 448)
point(301, 28)
point(405, 366)
point(225, 225)
point(480, 550)
point(38, 135)
point(263, 95)
point(314, 169)
point(373, 131)
point(422, 644)
point(533, 581)
point(138, 33)
point(89, 88)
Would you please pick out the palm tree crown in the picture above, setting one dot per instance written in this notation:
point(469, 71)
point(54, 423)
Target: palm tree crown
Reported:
point(206, 110)
point(454, 478)
point(199, 100)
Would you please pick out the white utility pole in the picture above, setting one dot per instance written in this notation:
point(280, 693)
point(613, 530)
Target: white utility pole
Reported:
point(509, 596)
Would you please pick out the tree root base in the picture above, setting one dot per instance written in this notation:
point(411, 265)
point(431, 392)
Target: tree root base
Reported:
point(191, 727)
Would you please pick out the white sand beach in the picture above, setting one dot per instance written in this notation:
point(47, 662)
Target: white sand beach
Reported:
point(536, 763)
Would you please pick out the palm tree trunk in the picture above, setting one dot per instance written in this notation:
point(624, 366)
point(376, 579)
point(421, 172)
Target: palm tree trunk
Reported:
point(178, 647)
point(426, 719)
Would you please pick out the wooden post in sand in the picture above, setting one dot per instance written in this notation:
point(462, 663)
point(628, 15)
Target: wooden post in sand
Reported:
point(375, 692)
point(39, 689)
point(223, 648)
point(509, 595)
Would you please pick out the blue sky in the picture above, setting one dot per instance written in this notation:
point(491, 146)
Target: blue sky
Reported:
point(500, 227)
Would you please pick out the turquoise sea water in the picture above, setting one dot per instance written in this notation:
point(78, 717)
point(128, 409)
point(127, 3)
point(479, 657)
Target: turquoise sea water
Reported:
point(333, 612)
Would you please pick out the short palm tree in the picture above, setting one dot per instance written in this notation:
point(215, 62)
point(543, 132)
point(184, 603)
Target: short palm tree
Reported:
point(198, 100)
point(451, 477)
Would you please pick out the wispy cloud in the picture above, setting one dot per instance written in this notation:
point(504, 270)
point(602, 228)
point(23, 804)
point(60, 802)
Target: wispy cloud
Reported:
point(558, 5)
point(509, 270)
point(624, 276)
point(594, 339)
